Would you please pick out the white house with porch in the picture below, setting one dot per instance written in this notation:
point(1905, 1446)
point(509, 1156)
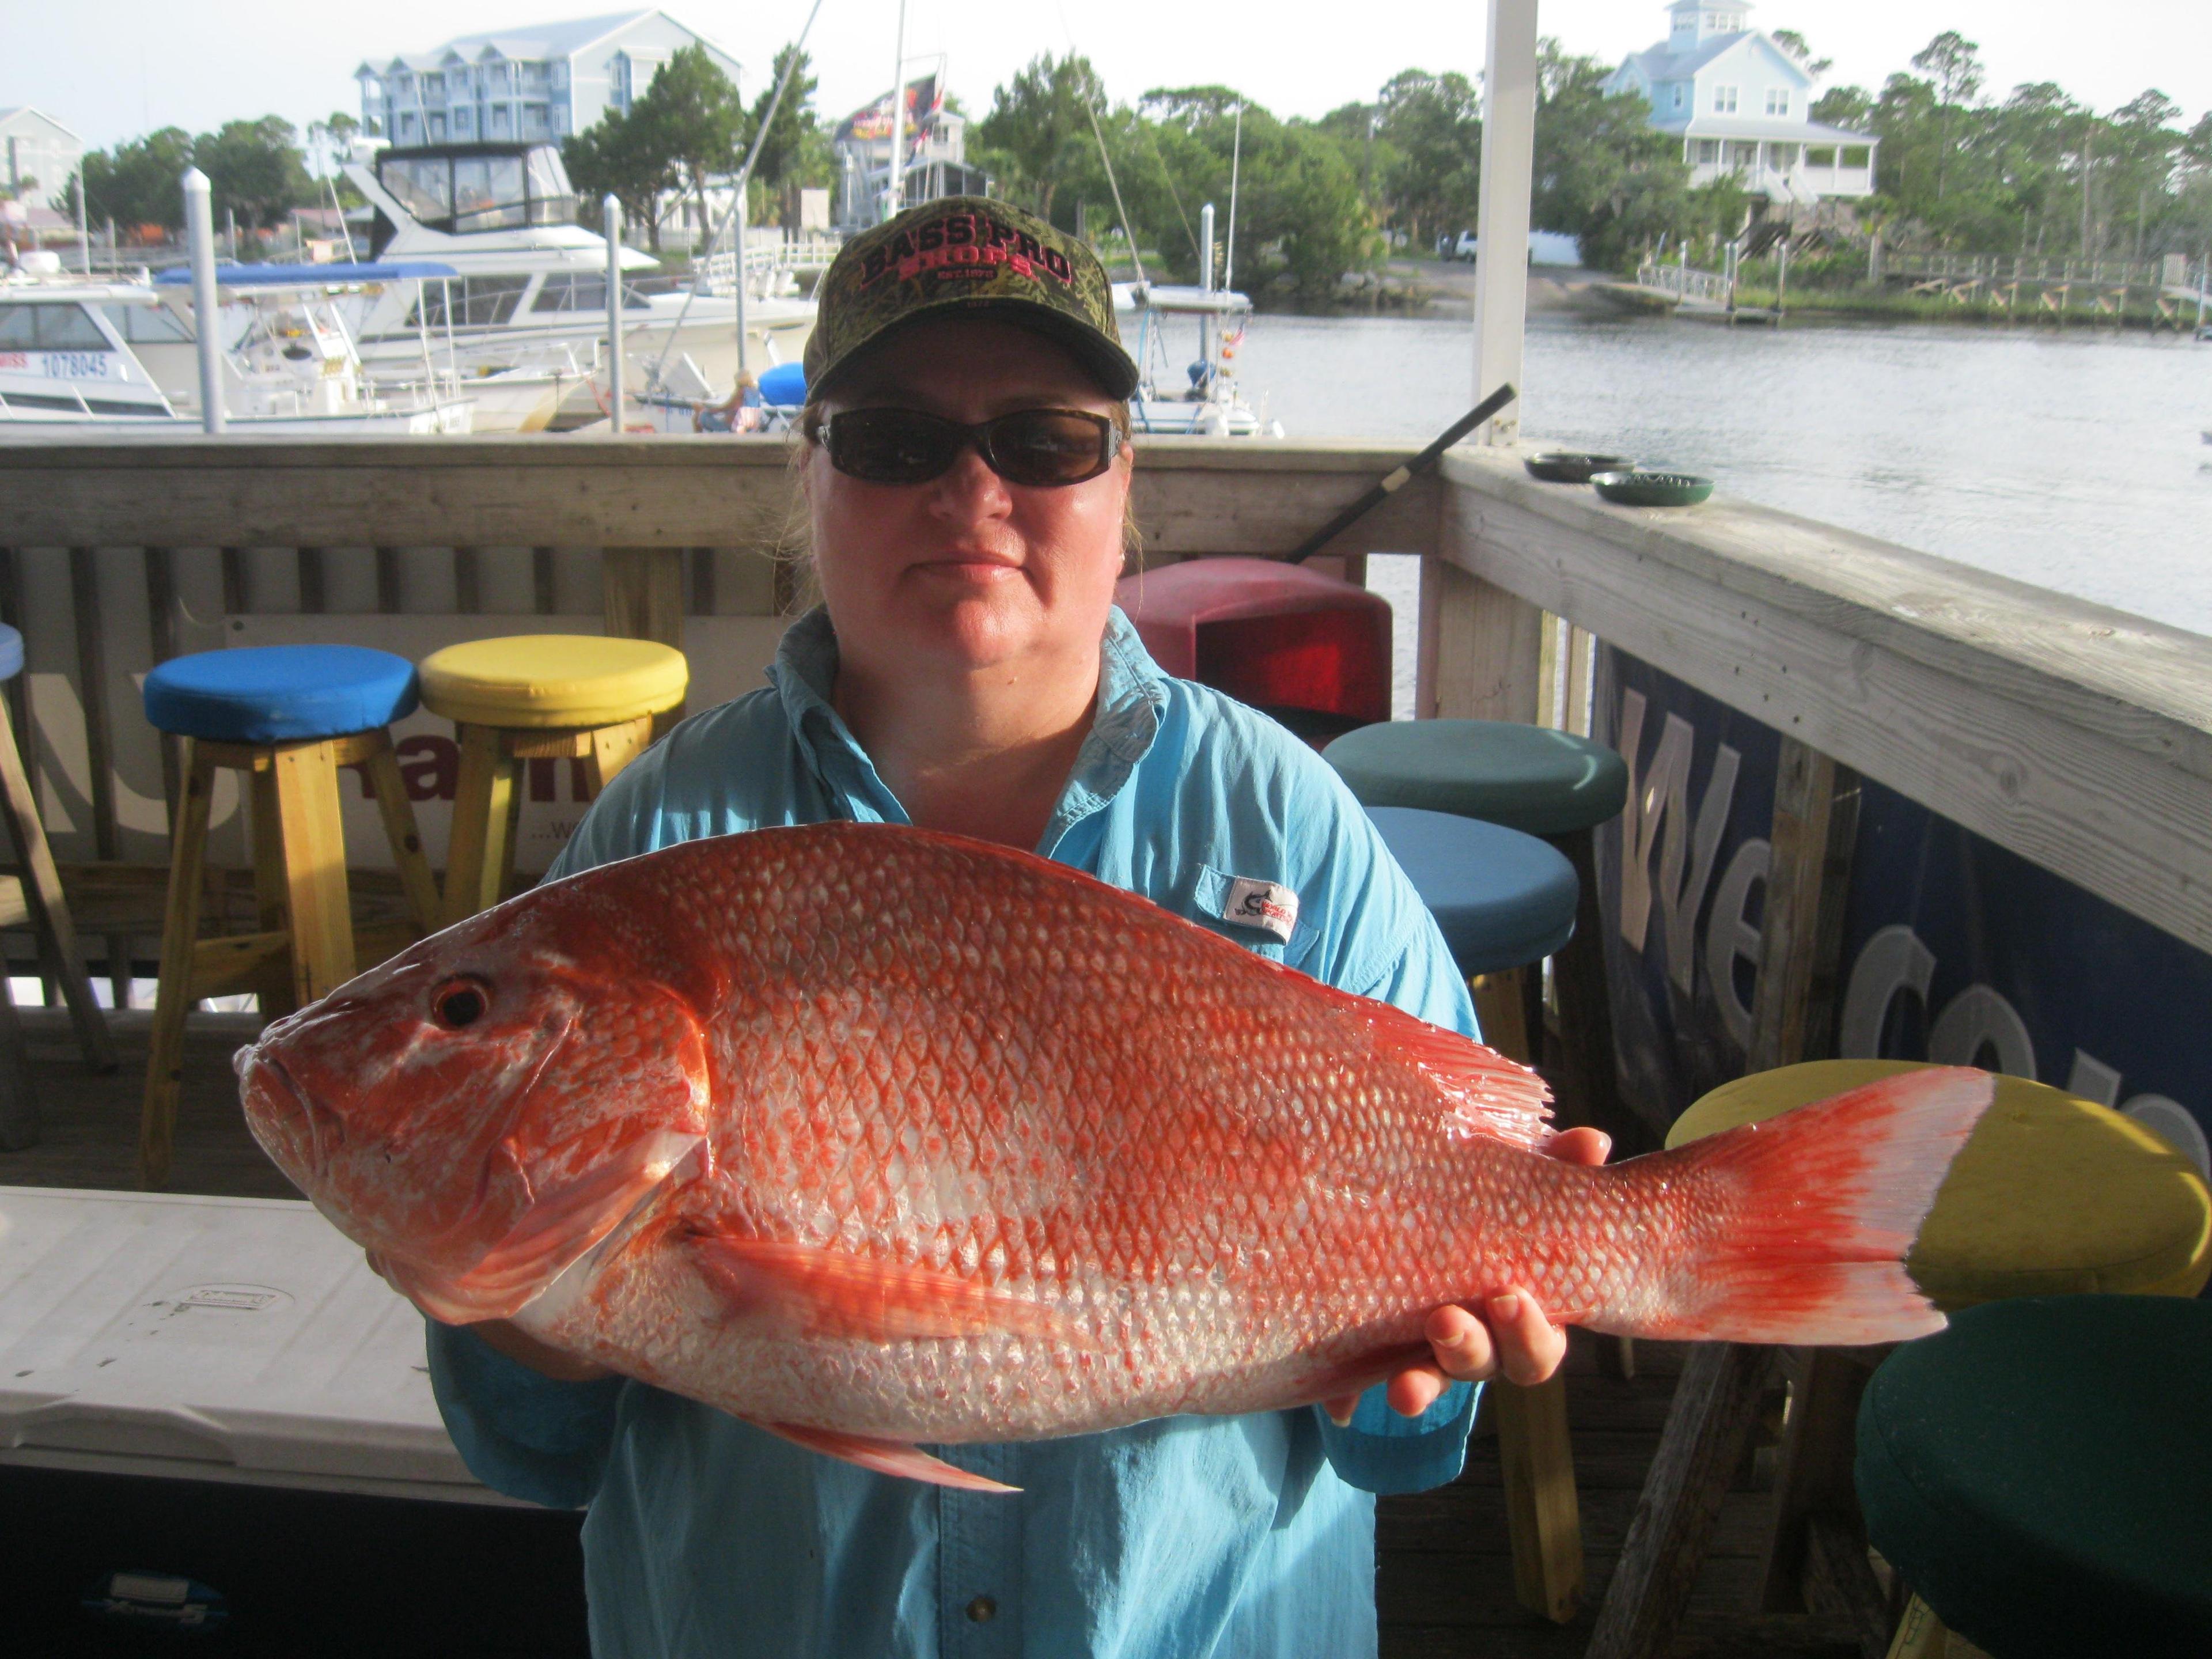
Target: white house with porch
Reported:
point(1741, 104)
point(541, 81)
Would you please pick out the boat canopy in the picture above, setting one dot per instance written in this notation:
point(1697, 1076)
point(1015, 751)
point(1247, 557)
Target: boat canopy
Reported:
point(1179, 297)
point(328, 275)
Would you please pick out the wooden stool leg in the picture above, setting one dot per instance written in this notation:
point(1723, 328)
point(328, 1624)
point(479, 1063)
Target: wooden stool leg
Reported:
point(614, 747)
point(173, 999)
point(1586, 1013)
point(424, 906)
point(19, 1102)
point(272, 901)
point(1715, 1404)
point(1536, 1455)
point(313, 843)
point(50, 913)
point(1537, 1461)
point(483, 808)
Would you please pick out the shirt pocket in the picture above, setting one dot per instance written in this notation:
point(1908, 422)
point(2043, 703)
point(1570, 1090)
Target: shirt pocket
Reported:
point(1211, 907)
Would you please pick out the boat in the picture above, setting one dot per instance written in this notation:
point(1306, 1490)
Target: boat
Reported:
point(116, 354)
point(1211, 403)
point(529, 285)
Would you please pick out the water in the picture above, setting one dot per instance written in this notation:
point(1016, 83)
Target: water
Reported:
point(2072, 462)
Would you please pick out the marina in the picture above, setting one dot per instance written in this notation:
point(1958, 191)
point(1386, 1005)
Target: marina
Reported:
point(1912, 718)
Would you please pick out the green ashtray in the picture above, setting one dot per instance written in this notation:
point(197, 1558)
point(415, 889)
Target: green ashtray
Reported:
point(1571, 467)
point(1637, 488)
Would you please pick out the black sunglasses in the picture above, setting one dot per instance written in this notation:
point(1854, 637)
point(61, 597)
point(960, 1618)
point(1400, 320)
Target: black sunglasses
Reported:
point(1041, 447)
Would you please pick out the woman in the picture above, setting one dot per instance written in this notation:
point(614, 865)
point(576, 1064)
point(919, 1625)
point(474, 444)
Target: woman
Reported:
point(966, 475)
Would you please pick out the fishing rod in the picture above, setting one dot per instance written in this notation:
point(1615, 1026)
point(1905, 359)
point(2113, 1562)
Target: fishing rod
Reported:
point(737, 203)
point(1399, 479)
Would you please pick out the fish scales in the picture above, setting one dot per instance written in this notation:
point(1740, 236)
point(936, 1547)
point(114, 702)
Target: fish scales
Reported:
point(862, 1131)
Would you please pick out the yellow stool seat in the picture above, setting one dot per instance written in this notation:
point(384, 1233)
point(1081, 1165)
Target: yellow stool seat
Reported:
point(553, 680)
point(2052, 1195)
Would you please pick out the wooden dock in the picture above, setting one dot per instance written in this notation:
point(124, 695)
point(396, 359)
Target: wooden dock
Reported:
point(1444, 1568)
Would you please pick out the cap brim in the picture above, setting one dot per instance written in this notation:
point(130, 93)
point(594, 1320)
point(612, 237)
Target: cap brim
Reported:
point(1105, 359)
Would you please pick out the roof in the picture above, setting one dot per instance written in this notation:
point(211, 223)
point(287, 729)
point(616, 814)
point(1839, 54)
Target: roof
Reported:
point(14, 111)
point(533, 41)
point(1778, 128)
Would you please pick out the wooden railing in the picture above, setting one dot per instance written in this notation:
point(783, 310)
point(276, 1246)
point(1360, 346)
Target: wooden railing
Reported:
point(2078, 736)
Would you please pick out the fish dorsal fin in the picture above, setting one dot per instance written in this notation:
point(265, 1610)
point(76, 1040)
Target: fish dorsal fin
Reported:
point(1483, 1092)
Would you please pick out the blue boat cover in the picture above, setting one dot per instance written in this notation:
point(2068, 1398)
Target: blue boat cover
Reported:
point(11, 652)
point(784, 387)
point(307, 275)
point(280, 693)
point(1501, 898)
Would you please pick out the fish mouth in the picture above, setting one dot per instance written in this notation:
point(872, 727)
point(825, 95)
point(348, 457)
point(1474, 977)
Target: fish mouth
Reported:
point(296, 1133)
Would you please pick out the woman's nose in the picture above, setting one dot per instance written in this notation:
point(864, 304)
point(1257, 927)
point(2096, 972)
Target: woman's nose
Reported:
point(970, 489)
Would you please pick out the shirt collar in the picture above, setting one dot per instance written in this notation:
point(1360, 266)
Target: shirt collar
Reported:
point(1132, 699)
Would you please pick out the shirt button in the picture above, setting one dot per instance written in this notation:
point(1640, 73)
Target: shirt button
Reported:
point(982, 1609)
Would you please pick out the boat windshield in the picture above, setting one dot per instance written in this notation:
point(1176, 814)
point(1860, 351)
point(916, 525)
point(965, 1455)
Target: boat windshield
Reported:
point(50, 328)
point(477, 187)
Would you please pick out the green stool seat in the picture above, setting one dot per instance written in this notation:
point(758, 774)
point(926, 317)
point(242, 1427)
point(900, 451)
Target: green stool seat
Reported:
point(2041, 1475)
point(1529, 778)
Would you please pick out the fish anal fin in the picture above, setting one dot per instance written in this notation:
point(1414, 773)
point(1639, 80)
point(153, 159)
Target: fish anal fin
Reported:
point(829, 1292)
point(885, 1458)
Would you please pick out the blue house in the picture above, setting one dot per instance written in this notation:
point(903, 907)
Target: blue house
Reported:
point(1741, 104)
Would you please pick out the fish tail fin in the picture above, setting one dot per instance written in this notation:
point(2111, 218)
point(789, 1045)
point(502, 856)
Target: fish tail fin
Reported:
point(1820, 1206)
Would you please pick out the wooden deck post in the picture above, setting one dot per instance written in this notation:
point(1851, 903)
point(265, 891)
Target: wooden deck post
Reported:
point(643, 591)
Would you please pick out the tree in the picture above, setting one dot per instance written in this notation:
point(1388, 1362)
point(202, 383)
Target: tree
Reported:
point(1601, 173)
point(254, 169)
point(1429, 168)
point(141, 180)
point(692, 116)
point(1038, 134)
point(1952, 59)
point(796, 151)
point(620, 156)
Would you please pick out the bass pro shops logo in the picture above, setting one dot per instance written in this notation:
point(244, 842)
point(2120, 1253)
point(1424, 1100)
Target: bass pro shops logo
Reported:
point(963, 245)
point(1267, 905)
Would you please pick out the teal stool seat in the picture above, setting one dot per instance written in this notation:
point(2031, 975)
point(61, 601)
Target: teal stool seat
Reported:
point(2041, 1475)
point(1501, 899)
point(1527, 778)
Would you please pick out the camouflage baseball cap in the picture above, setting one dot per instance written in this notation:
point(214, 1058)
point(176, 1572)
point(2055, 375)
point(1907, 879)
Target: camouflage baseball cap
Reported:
point(959, 256)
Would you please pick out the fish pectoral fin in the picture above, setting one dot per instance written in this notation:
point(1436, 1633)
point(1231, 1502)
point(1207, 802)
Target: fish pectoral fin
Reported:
point(885, 1458)
point(826, 1292)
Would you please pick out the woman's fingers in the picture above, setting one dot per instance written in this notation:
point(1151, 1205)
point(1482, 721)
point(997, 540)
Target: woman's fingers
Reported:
point(1529, 1346)
point(1579, 1145)
point(1341, 1408)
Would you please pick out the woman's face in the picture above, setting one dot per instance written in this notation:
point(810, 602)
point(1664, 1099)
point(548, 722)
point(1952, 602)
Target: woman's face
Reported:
point(966, 572)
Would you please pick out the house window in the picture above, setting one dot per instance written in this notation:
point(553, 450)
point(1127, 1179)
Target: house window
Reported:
point(1778, 100)
point(1723, 100)
point(1821, 156)
point(618, 81)
point(1681, 94)
point(1708, 150)
point(461, 122)
point(1857, 155)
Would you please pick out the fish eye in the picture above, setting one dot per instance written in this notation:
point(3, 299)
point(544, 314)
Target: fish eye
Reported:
point(459, 1002)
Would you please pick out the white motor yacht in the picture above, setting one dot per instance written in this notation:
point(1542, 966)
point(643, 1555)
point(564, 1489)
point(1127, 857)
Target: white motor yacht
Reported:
point(75, 354)
point(529, 288)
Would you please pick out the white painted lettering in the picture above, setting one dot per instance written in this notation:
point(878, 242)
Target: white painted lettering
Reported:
point(1978, 1018)
point(1730, 939)
point(1893, 960)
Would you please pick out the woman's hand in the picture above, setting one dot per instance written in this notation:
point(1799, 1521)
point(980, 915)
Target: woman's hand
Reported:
point(1510, 1338)
point(518, 1345)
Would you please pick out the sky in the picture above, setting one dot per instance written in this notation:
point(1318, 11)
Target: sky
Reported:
point(112, 68)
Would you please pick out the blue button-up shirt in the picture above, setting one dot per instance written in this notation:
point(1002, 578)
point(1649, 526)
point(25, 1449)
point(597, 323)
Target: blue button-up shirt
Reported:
point(1244, 1536)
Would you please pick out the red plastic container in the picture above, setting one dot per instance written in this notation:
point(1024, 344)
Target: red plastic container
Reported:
point(1309, 649)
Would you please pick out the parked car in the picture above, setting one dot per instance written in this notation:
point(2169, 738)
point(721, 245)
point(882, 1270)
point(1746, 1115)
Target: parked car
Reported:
point(1456, 246)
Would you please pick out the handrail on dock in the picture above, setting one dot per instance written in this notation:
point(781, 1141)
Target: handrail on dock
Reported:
point(2078, 736)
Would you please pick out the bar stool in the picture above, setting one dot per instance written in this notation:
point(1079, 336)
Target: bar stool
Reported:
point(2041, 1474)
point(35, 897)
point(1503, 900)
point(287, 716)
point(1542, 783)
point(2051, 1195)
point(537, 696)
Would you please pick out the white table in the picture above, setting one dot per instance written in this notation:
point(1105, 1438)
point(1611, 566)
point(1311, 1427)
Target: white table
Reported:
point(213, 1339)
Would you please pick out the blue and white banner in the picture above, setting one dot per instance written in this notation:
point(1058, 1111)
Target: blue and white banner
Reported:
point(1954, 949)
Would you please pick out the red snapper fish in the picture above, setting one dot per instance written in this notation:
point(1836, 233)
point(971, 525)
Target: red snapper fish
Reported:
point(871, 1135)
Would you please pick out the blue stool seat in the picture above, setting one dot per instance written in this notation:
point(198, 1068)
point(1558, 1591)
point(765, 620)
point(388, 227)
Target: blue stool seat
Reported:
point(11, 652)
point(1526, 777)
point(1502, 899)
point(280, 693)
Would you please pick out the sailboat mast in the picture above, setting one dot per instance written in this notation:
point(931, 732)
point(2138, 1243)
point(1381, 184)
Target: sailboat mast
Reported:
point(1235, 155)
point(894, 198)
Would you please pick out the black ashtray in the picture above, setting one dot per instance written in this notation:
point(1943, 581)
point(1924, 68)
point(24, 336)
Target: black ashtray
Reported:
point(1571, 467)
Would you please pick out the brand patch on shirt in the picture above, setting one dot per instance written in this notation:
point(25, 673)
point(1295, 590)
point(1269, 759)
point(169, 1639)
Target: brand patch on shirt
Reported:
point(1267, 905)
